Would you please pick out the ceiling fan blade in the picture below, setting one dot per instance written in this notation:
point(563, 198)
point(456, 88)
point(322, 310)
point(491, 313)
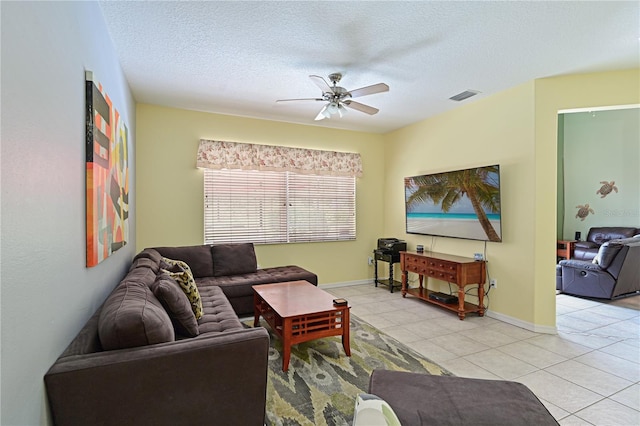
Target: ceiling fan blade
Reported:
point(361, 107)
point(321, 83)
point(369, 90)
point(301, 99)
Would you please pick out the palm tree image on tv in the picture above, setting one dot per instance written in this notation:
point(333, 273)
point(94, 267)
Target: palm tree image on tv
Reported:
point(454, 203)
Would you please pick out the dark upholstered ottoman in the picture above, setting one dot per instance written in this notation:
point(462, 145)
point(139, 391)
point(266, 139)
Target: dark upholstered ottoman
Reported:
point(422, 399)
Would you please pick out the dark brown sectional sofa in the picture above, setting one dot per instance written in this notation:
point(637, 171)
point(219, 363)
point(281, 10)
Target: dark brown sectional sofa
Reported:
point(233, 268)
point(144, 358)
point(588, 249)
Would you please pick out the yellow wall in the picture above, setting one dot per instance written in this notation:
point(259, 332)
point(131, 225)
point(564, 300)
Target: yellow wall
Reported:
point(516, 128)
point(170, 197)
point(551, 96)
point(495, 130)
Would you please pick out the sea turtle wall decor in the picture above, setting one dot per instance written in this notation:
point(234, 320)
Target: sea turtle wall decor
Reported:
point(583, 211)
point(606, 188)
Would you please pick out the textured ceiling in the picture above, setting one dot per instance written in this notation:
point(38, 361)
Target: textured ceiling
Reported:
point(238, 57)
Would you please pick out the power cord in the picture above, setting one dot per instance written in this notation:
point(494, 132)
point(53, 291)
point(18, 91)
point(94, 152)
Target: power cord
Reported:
point(432, 246)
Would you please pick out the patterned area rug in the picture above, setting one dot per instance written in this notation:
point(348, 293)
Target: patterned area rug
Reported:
point(322, 382)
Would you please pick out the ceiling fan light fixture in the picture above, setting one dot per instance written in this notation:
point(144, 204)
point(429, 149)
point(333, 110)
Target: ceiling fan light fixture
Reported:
point(342, 111)
point(324, 113)
point(338, 99)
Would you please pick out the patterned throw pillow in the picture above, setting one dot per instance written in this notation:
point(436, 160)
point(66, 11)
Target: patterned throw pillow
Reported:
point(181, 273)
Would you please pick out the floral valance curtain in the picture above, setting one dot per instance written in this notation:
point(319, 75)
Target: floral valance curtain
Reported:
point(248, 156)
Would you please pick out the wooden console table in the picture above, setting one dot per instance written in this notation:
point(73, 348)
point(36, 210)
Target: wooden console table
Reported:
point(461, 271)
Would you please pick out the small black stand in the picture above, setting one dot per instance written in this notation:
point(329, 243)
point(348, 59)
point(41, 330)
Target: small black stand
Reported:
point(390, 258)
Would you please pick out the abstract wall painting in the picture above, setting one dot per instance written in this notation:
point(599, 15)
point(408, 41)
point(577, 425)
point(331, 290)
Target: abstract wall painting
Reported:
point(107, 173)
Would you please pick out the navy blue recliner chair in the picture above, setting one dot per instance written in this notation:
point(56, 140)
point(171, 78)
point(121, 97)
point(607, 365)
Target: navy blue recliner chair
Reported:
point(614, 272)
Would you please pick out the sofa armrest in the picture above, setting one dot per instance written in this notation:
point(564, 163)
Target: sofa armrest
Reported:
point(216, 377)
point(586, 244)
point(580, 264)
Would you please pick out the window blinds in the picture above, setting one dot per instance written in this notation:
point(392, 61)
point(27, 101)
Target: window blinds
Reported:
point(267, 207)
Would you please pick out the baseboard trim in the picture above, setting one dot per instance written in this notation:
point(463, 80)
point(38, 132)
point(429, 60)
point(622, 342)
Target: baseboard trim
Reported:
point(522, 324)
point(347, 283)
point(496, 315)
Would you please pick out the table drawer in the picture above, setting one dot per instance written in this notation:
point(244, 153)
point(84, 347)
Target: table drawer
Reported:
point(416, 264)
point(442, 270)
point(443, 275)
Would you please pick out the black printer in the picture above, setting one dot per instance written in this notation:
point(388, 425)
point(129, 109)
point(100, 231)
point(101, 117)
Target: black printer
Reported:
point(391, 245)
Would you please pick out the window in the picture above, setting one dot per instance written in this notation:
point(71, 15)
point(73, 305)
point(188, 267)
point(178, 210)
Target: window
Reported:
point(266, 207)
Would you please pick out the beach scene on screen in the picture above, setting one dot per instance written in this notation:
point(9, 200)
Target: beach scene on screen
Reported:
point(439, 204)
point(464, 225)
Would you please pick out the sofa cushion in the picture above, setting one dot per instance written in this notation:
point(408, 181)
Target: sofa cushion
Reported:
point(233, 259)
point(181, 273)
point(197, 257)
point(237, 288)
point(132, 316)
point(240, 285)
point(142, 262)
point(141, 274)
point(218, 316)
point(585, 244)
point(149, 254)
point(176, 303)
point(607, 252)
point(601, 235)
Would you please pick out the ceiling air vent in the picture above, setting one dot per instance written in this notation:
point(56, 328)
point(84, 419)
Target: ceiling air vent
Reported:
point(464, 95)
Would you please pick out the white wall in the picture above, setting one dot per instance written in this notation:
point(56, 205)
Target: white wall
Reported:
point(47, 293)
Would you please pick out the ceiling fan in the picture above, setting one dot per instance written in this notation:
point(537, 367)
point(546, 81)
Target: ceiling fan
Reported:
point(339, 99)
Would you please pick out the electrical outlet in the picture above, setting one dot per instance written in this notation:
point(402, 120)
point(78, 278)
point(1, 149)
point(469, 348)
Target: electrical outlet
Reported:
point(493, 283)
point(370, 261)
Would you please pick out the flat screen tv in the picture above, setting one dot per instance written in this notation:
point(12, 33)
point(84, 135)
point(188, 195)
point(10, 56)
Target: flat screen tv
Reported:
point(457, 204)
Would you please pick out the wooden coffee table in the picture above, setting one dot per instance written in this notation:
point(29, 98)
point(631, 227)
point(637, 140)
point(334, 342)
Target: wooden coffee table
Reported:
point(297, 312)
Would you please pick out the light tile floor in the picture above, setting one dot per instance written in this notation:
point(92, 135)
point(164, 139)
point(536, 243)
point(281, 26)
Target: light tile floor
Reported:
point(587, 374)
